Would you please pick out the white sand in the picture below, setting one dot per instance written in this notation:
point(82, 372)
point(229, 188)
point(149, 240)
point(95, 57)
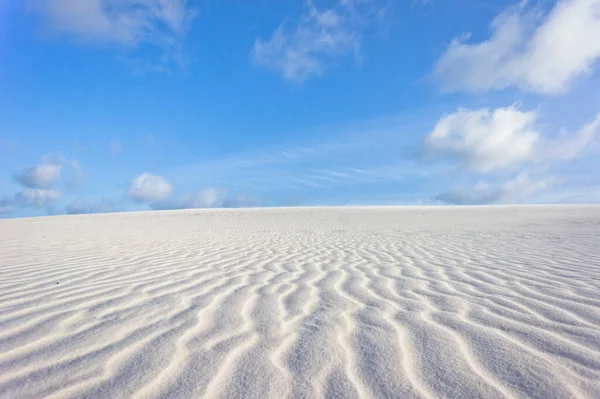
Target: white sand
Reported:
point(324, 302)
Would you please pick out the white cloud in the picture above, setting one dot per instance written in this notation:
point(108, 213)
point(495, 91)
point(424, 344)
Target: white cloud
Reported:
point(484, 140)
point(124, 22)
point(567, 147)
point(506, 138)
point(41, 176)
point(50, 172)
point(529, 50)
point(39, 183)
point(149, 188)
point(308, 50)
point(521, 188)
point(115, 148)
point(36, 198)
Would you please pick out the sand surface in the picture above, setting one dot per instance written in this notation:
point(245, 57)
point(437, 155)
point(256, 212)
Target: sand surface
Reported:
point(451, 302)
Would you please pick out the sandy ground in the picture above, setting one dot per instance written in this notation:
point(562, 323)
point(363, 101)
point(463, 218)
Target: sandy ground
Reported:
point(325, 302)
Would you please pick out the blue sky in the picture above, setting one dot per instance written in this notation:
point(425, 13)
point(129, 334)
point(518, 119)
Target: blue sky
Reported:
point(112, 105)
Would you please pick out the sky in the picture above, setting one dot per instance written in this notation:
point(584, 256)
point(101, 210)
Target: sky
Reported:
point(126, 105)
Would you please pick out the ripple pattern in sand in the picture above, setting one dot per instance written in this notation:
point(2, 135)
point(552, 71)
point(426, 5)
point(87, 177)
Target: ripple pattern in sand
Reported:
point(303, 303)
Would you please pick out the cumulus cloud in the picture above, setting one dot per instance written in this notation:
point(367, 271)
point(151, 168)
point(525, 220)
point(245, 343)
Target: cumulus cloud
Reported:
point(29, 198)
point(318, 38)
point(49, 173)
point(39, 183)
point(149, 188)
point(518, 189)
point(502, 142)
point(527, 49)
point(36, 198)
point(484, 139)
point(39, 176)
point(124, 22)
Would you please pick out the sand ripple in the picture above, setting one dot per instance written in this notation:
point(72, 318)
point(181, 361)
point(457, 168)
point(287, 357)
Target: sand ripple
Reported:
point(348, 302)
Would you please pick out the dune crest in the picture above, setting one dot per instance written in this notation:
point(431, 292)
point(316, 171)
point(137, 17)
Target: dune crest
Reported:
point(487, 302)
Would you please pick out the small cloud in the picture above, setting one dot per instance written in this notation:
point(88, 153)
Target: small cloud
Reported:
point(40, 181)
point(484, 140)
point(149, 188)
point(38, 176)
point(115, 148)
point(49, 173)
point(36, 198)
point(528, 50)
point(516, 190)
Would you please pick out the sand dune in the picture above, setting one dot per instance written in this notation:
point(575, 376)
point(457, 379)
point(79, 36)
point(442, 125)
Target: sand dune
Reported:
point(485, 302)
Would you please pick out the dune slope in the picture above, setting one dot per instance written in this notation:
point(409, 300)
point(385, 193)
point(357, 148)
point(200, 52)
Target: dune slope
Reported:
point(485, 302)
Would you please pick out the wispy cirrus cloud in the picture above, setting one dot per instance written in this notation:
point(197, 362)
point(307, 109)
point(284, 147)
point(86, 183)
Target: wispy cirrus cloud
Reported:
point(163, 24)
point(328, 156)
point(123, 22)
point(319, 38)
